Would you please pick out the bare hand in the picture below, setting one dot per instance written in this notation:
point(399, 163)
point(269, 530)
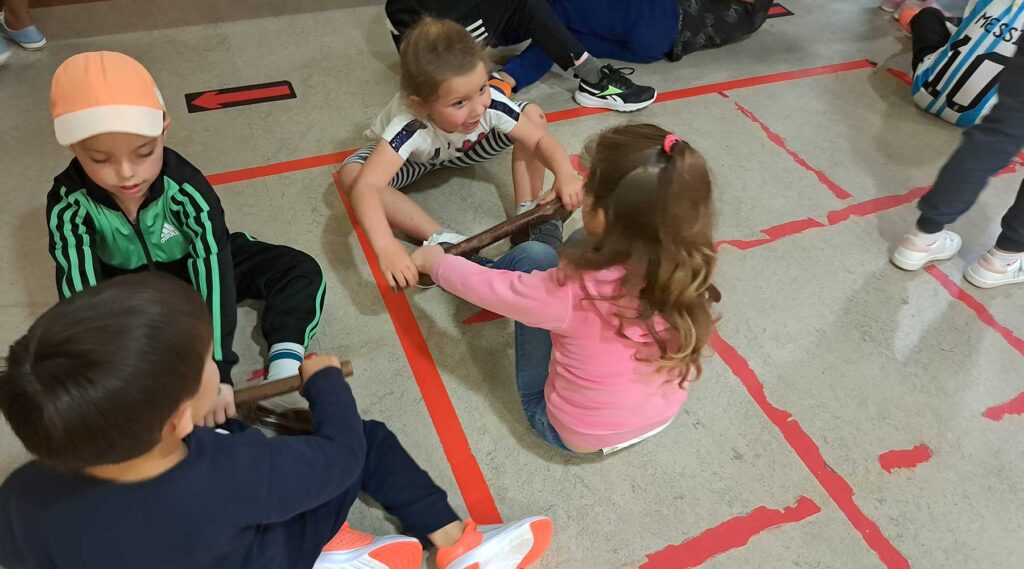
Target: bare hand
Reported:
point(223, 408)
point(425, 257)
point(314, 364)
point(569, 189)
point(397, 266)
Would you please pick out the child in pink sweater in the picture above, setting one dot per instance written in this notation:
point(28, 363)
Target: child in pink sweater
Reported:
point(610, 329)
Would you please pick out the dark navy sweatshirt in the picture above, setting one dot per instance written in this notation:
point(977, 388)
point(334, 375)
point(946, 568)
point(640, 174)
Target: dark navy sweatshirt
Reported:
point(239, 500)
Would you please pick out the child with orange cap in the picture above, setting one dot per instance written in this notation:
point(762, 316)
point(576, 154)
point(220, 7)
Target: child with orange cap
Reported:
point(126, 203)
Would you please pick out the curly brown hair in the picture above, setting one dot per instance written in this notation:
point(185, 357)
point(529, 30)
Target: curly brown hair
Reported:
point(659, 219)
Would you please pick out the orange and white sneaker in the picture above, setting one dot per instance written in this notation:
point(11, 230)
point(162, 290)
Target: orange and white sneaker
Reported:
point(505, 546)
point(351, 549)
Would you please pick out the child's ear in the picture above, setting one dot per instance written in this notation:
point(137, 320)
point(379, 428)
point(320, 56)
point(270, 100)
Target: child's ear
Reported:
point(167, 123)
point(418, 105)
point(181, 422)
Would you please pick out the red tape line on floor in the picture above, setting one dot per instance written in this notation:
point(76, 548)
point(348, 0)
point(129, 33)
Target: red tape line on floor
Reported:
point(338, 157)
point(809, 453)
point(1014, 406)
point(777, 140)
point(468, 475)
point(979, 309)
point(728, 535)
point(904, 458)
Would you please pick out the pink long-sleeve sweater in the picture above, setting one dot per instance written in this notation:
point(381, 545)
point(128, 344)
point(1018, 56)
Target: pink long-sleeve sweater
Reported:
point(599, 391)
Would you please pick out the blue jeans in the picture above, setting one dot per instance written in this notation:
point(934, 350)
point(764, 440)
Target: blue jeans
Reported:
point(533, 345)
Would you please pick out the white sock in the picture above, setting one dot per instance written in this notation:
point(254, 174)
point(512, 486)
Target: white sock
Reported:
point(524, 207)
point(923, 239)
point(1005, 260)
point(285, 359)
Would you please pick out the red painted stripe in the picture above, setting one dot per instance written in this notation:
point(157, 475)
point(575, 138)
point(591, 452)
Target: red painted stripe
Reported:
point(482, 317)
point(807, 450)
point(777, 10)
point(468, 476)
point(777, 140)
point(901, 75)
point(278, 168)
point(1014, 406)
point(774, 233)
point(337, 157)
point(730, 534)
point(875, 205)
point(906, 458)
point(958, 293)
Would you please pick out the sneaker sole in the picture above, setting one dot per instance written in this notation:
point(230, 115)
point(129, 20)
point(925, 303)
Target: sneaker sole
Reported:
point(401, 554)
point(585, 100)
point(527, 543)
point(36, 46)
point(909, 265)
point(987, 279)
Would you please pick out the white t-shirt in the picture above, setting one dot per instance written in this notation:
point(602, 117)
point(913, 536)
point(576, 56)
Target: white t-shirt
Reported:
point(420, 141)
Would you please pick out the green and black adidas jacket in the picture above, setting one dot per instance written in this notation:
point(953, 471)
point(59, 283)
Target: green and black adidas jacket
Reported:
point(180, 230)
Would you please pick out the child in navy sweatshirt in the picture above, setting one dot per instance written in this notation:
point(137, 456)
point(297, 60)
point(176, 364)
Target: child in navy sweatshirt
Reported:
point(105, 390)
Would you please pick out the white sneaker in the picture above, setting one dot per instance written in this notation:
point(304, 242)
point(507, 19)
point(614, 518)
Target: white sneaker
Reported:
point(910, 256)
point(986, 272)
point(444, 236)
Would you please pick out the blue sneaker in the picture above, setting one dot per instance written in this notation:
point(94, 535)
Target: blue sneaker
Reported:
point(29, 38)
point(5, 53)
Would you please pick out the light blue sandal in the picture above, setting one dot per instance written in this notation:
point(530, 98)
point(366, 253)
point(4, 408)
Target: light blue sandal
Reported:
point(29, 38)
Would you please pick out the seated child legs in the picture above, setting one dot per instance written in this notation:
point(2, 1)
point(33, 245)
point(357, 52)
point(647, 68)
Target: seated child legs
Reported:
point(292, 285)
point(533, 345)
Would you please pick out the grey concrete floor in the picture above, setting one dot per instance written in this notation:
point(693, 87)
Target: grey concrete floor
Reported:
point(848, 357)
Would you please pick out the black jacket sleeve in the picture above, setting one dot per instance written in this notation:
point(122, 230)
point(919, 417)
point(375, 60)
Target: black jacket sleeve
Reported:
point(72, 236)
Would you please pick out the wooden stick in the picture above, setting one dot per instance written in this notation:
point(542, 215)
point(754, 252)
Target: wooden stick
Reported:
point(268, 389)
point(534, 217)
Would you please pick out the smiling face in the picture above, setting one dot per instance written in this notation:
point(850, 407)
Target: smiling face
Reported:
point(461, 102)
point(123, 164)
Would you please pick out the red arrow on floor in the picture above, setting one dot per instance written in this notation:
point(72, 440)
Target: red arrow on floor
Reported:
point(239, 96)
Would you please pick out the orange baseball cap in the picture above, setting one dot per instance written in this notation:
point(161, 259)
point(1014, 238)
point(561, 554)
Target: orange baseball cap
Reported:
point(101, 92)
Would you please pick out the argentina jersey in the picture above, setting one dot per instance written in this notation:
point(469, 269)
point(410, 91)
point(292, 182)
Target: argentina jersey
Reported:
point(959, 81)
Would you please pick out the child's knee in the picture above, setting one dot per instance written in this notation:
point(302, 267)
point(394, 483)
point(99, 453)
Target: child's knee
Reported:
point(535, 114)
point(347, 176)
point(305, 265)
point(533, 256)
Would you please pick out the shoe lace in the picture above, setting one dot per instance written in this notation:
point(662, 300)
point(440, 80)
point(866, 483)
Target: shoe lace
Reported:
point(617, 76)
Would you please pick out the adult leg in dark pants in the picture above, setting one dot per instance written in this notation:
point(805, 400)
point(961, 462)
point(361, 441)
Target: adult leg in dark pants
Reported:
point(292, 286)
point(986, 148)
point(929, 34)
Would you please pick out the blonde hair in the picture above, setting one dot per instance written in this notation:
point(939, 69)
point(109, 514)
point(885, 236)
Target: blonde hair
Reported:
point(659, 219)
point(433, 52)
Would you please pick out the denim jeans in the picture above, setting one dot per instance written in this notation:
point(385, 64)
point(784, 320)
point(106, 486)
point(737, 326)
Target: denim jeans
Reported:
point(533, 345)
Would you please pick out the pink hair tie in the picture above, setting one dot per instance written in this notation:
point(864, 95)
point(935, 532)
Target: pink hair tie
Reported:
point(670, 141)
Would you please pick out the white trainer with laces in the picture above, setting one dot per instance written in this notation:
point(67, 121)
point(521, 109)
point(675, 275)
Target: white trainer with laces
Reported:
point(986, 272)
point(909, 255)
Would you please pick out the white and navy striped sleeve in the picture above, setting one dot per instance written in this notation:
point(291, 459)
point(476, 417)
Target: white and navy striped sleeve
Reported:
point(405, 134)
point(503, 114)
